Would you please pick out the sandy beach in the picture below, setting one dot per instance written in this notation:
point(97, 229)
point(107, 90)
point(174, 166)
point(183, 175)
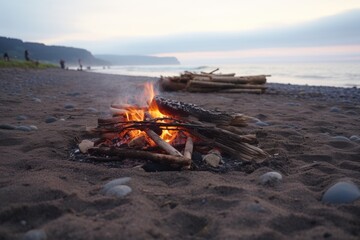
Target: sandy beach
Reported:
point(311, 133)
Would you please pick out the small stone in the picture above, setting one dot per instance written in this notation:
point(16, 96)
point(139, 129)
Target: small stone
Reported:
point(270, 178)
point(262, 124)
point(118, 191)
point(116, 182)
point(23, 128)
point(69, 106)
point(91, 109)
point(21, 117)
point(256, 208)
point(85, 145)
point(341, 192)
point(37, 100)
point(213, 158)
point(33, 127)
point(355, 138)
point(335, 110)
point(7, 126)
point(340, 138)
point(36, 234)
point(50, 119)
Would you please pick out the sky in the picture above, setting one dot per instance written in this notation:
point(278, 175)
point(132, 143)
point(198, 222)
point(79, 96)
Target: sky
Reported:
point(151, 26)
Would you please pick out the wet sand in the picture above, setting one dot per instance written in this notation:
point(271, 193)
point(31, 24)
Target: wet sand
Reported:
point(311, 133)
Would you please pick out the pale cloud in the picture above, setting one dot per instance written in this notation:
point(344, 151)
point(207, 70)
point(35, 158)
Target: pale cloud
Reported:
point(63, 21)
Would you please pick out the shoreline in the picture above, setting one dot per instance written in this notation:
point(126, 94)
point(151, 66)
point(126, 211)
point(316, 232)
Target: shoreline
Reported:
point(311, 133)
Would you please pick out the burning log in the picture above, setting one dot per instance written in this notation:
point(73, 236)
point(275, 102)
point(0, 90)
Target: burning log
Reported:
point(163, 124)
point(180, 109)
point(162, 144)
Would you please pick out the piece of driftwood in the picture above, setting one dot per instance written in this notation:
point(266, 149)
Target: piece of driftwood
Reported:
point(181, 109)
point(162, 144)
point(189, 145)
point(212, 82)
point(138, 154)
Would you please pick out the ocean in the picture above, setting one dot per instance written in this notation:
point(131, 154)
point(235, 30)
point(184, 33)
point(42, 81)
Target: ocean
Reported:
point(344, 74)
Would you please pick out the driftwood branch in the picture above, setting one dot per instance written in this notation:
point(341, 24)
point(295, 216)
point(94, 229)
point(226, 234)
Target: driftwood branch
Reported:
point(162, 144)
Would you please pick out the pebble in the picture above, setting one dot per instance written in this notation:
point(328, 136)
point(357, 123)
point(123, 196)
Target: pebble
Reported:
point(335, 110)
point(118, 191)
point(262, 124)
point(213, 158)
point(91, 109)
point(69, 106)
point(292, 104)
point(355, 138)
point(115, 182)
point(256, 208)
point(340, 138)
point(23, 128)
point(37, 100)
point(341, 192)
point(270, 178)
point(50, 119)
point(21, 117)
point(33, 127)
point(7, 126)
point(36, 234)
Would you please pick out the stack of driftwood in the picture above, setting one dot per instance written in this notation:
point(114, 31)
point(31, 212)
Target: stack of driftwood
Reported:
point(212, 82)
point(211, 133)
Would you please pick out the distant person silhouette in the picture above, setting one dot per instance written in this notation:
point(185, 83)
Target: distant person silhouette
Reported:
point(27, 58)
point(80, 65)
point(6, 57)
point(62, 64)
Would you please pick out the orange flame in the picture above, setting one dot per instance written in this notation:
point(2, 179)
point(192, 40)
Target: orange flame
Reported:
point(137, 113)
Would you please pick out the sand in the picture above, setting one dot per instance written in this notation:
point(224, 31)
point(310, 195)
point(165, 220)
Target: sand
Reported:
point(43, 191)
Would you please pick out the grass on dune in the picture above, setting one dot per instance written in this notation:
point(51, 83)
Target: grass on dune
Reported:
point(25, 64)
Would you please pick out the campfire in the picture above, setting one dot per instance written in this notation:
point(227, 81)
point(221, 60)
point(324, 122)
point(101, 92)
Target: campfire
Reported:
point(170, 132)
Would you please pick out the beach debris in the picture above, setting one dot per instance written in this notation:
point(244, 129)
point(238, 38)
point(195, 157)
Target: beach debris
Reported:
point(212, 82)
point(341, 193)
point(167, 132)
point(35, 234)
point(270, 178)
point(51, 119)
point(85, 145)
point(117, 187)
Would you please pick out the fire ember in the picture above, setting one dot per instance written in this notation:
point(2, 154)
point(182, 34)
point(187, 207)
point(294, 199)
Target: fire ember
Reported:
point(169, 133)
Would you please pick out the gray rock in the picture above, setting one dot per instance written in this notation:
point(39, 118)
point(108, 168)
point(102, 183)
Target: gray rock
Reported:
point(355, 138)
point(91, 109)
point(341, 192)
point(23, 128)
point(51, 119)
point(7, 126)
point(335, 110)
point(340, 138)
point(256, 208)
point(37, 100)
point(270, 178)
point(118, 191)
point(115, 182)
point(69, 106)
point(262, 124)
point(35, 234)
point(33, 127)
point(21, 117)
